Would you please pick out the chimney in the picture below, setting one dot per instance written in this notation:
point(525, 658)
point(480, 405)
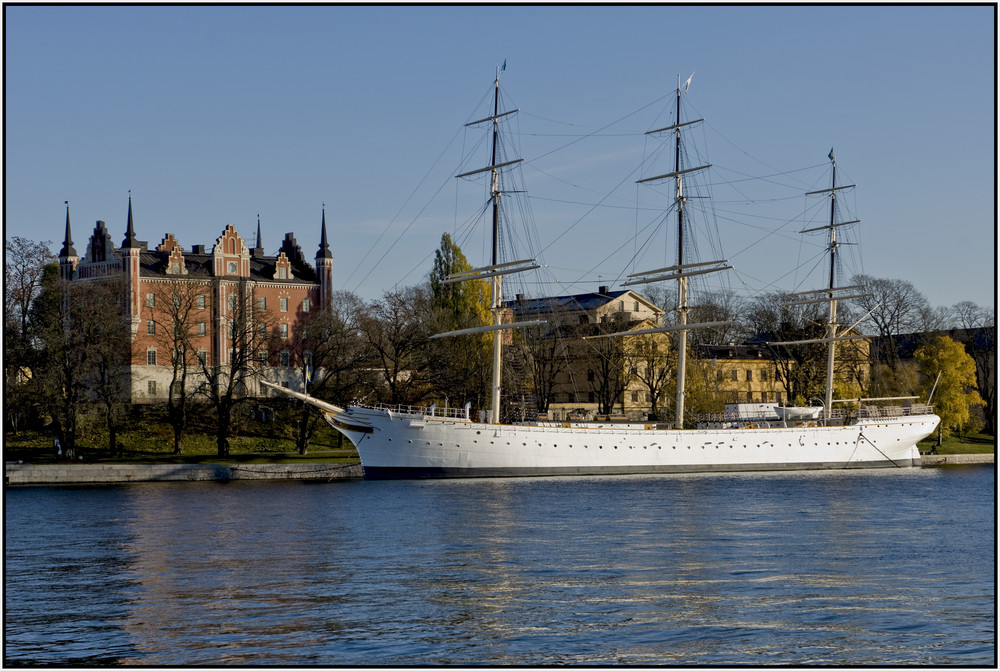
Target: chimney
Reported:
point(602, 290)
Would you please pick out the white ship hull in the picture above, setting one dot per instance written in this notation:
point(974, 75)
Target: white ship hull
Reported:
point(412, 445)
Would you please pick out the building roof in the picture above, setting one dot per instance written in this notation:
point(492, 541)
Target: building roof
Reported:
point(577, 302)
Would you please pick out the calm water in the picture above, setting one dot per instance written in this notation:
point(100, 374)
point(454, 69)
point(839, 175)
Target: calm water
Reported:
point(878, 567)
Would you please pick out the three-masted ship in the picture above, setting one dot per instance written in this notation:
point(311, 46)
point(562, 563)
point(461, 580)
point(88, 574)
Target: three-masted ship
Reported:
point(408, 442)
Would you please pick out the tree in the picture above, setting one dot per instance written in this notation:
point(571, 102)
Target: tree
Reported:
point(896, 307)
point(109, 341)
point(955, 391)
point(471, 297)
point(330, 355)
point(458, 367)
point(611, 369)
point(980, 325)
point(228, 376)
point(649, 356)
point(64, 352)
point(801, 368)
point(396, 330)
point(541, 353)
point(176, 324)
point(24, 266)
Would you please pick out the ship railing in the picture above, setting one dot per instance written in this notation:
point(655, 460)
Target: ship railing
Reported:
point(865, 411)
point(425, 411)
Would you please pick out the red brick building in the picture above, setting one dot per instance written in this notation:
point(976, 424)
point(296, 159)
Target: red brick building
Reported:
point(280, 290)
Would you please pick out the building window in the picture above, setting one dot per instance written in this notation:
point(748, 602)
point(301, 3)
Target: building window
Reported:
point(151, 357)
point(763, 376)
point(283, 358)
point(262, 357)
point(151, 387)
point(150, 326)
point(232, 302)
point(232, 268)
point(262, 330)
point(150, 300)
point(284, 304)
point(202, 357)
point(282, 273)
point(635, 307)
point(749, 375)
point(305, 305)
point(635, 397)
point(284, 330)
point(200, 302)
point(261, 303)
point(736, 375)
point(201, 328)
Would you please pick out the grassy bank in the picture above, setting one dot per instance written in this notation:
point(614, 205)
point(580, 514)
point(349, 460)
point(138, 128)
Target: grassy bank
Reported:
point(148, 438)
point(979, 443)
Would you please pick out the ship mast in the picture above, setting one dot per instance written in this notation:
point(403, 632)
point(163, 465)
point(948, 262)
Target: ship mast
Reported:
point(680, 272)
point(495, 270)
point(832, 291)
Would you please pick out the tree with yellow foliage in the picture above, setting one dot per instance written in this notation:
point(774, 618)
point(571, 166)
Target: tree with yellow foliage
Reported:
point(956, 391)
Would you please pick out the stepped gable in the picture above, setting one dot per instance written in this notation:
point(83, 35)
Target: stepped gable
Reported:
point(100, 247)
point(175, 255)
point(301, 269)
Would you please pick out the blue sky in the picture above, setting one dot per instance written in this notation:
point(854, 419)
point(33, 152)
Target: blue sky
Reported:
point(213, 115)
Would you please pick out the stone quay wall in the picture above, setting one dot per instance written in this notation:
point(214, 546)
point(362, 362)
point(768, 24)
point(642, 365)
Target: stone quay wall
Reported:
point(16, 473)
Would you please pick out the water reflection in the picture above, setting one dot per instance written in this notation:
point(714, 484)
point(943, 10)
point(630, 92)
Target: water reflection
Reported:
point(712, 569)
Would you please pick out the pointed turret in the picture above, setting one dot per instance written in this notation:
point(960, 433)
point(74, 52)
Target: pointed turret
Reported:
point(130, 242)
point(324, 247)
point(258, 251)
point(67, 255)
point(67, 248)
point(324, 267)
point(130, 250)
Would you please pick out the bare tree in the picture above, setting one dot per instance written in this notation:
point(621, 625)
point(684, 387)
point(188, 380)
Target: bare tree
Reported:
point(612, 370)
point(896, 308)
point(330, 355)
point(110, 343)
point(228, 375)
point(24, 264)
point(541, 353)
point(175, 317)
point(396, 329)
point(649, 356)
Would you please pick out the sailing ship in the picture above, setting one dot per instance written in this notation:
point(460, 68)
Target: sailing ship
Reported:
point(410, 442)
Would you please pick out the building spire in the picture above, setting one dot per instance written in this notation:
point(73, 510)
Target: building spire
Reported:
point(67, 248)
point(324, 247)
point(259, 246)
point(130, 242)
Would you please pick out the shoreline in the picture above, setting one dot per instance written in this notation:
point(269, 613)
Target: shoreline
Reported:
point(20, 473)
